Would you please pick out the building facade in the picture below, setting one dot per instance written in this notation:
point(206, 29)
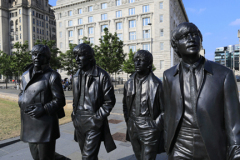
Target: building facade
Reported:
point(25, 20)
point(228, 56)
point(140, 24)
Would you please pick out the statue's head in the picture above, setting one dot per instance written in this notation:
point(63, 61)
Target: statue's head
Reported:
point(186, 39)
point(84, 55)
point(41, 55)
point(143, 60)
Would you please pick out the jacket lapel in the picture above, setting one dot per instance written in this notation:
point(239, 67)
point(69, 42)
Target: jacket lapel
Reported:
point(131, 91)
point(76, 88)
point(153, 85)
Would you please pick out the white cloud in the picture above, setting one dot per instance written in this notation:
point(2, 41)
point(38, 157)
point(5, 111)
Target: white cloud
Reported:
point(197, 11)
point(207, 34)
point(235, 23)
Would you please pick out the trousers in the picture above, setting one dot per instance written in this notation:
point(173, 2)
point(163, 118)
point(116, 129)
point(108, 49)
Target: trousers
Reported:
point(88, 134)
point(189, 146)
point(43, 151)
point(144, 136)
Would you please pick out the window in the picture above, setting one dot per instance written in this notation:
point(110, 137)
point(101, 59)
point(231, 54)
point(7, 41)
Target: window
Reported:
point(120, 36)
point(60, 15)
point(133, 48)
point(33, 36)
point(146, 21)
point(145, 8)
point(20, 36)
point(161, 64)
point(80, 41)
point(104, 16)
point(131, 1)
point(161, 32)
point(119, 25)
point(132, 23)
point(146, 46)
point(60, 34)
point(161, 5)
point(46, 25)
point(46, 18)
point(47, 32)
point(37, 22)
point(161, 46)
point(16, 37)
point(33, 21)
point(70, 33)
point(42, 24)
point(161, 18)
point(61, 44)
point(20, 19)
point(80, 21)
point(90, 19)
point(104, 5)
point(69, 13)
point(118, 2)
point(132, 35)
point(69, 23)
point(80, 11)
point(90, 30)
point(103, 26)
point(20, 28)
point(90, 8)
point(33, 13)
point(146, 34)
point(42, 31)
point(91, 40)
point(131, 11)
point(70, 41)
point(33, 29)
point(20, 11)
point(118, 14)
point(37, 30)
point(80, 32)
point(60, 24)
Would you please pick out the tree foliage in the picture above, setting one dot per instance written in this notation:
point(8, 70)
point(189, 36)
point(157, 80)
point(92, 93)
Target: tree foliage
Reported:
point(128, 65)
point(55, 61)
point(68, 61)
point(109, 54)
point(6, 65)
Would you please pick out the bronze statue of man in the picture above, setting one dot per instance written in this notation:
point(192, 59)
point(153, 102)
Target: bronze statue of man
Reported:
point(93, 100)
point(142, 108)
point(41, 102)
point(201, 105)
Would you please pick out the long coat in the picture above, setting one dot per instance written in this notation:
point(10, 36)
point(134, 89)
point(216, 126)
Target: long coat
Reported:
point(44, 88)
point(153, 87)
point(101, 93)
point(217, 109)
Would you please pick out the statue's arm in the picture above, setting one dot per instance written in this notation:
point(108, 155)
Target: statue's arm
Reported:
point(58, 98)
point(159, 120)
point(109, 99)
point(232, 116)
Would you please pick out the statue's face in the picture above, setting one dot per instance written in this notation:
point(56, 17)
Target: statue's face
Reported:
point(189, 42)
point(141, 64)
point(38, 58)
point(82, 60)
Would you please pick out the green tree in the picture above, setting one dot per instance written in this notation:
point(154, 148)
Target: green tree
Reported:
point(6, 62)
point(55, 61)
point(68, 61)
point(20, 58)
point(109, 54)
point(128, 65)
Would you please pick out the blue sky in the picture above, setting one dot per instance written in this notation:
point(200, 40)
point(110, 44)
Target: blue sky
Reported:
point(218, 20)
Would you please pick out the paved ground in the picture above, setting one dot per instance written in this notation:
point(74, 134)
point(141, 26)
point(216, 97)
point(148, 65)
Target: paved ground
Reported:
point(13, 149)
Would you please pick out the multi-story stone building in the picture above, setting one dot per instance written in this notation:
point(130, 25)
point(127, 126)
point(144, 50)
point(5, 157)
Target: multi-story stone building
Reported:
point(25, 20)
point(140, 24)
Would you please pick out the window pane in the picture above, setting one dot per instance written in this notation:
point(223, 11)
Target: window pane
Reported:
point(161, 32)
point(70, 33)
point(145, 8)
point(80, 21)
point(161, 46)
point(90, 9)
point(146, 21)
point(80, 32)
point(132, 35)
point(104, 5)
point(80, 41)
point(104, 16)
point(119, 25)
point(131, 1)
point(131, 11)
point(69, 23)
point(92, 40)
point(161, 18)
point(120, 36)
point(133, 48)
point(161, 5)
point(146, 47)
point(118, 2)
point(69, 13)
point(80, 11)
point(146, 34)
point(90, 30)
point(119, 14)
point(132, 23)
point(103, 26)
point(90, 19)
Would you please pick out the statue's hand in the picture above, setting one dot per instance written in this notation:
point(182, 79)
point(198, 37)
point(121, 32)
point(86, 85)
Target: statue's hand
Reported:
point(36, 111)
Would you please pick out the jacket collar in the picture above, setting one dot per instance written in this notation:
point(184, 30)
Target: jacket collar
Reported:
point(207, 67)
point(93, 72)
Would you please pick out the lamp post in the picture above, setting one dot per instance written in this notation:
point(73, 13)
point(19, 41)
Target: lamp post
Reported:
point(150, 24)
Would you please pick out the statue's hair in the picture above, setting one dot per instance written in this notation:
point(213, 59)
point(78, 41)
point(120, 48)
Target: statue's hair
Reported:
point(86, 50)
point(147, 55)
point(43, 49)
point(180, 28)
